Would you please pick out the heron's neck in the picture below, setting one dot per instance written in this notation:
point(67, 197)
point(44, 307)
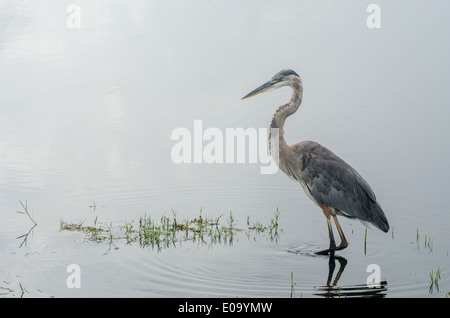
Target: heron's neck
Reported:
point(286, 110)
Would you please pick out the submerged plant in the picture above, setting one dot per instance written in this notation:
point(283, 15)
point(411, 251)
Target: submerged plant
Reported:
point(25, 211)
point(292, 284)
point(428, 244)
point(24, 237)
point(169, 231)
point(365, 242)
point(434, 280)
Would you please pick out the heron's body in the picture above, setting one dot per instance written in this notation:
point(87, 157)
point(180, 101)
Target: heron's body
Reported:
point(327, 179)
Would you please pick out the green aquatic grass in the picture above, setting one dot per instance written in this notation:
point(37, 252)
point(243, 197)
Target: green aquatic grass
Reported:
point(428, 242)
point(25, 211)
point(293, 285)
point(168, 231)
point(365, 242)
point(24, 237)
point(434, 280)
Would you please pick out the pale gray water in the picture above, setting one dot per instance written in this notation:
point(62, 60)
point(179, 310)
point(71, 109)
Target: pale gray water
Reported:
point(86, 116)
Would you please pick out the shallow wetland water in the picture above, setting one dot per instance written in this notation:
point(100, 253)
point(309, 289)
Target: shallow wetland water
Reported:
point(87, 115)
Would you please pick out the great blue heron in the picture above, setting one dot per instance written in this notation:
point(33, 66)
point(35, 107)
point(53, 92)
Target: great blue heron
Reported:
point(327, 179)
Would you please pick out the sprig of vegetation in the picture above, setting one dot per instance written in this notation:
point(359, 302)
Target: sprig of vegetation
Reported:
point(434, 280)
point(365, 242)
point(25, 211)
point(429, 244)
point(292, 285)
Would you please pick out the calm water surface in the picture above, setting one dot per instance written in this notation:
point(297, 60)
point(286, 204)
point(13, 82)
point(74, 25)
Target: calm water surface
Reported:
point(86, 117)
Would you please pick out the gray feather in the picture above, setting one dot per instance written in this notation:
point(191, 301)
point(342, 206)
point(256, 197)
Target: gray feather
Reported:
point(333, 182)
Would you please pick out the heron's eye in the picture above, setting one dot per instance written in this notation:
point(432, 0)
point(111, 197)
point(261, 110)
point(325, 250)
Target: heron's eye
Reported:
point(281, 77)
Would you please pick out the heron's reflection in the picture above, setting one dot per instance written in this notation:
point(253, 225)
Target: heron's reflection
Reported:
point(331, 267)
point(333, 290)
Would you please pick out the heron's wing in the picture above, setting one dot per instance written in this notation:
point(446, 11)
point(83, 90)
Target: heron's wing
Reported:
point(333, 182)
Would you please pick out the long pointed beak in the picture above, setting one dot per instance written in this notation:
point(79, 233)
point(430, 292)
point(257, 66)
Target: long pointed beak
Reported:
point(264, 87)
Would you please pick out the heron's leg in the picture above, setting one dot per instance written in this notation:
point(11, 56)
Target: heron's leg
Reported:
point(326, 210)
point(344, 243)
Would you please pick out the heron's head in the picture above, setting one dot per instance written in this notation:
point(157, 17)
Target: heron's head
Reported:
point(282, 78)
